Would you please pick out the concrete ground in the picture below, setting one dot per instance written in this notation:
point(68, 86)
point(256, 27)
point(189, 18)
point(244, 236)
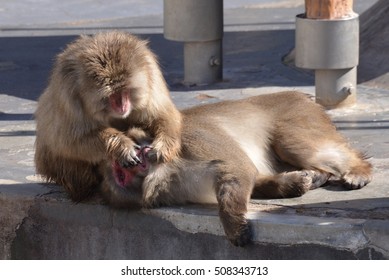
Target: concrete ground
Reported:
point(37, 220)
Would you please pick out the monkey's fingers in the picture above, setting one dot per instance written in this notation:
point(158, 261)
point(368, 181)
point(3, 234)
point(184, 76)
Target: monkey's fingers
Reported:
point(128, 163)
point(130, 159)
point(135, 156)
point(137, 147)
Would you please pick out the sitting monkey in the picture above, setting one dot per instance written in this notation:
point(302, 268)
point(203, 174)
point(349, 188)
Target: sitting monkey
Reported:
point(270, 146)
point(100, 87)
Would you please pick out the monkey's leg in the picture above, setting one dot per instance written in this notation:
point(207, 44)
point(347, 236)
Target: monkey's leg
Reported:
point(79, 178)
point(233, 190)
point(288, 184)
point(324, 149)
point(334, 158)
point(358, 172)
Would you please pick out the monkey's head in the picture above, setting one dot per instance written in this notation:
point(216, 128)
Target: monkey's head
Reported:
point(109, 74)
point(122, 186)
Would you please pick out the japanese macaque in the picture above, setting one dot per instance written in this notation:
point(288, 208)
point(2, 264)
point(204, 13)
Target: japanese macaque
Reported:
point(271, 146)
point(100, 87)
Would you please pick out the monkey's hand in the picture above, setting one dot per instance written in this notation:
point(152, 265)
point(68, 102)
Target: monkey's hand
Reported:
point(124, 150)
point(129, 156)
point(165, 149)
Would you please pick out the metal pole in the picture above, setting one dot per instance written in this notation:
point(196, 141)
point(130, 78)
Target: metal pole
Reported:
point(199, 24)
point(203, 62)
point(327, 40)
point(336, 87)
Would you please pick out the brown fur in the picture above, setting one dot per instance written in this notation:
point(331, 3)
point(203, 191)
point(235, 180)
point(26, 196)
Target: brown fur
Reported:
point(101, 86)
point(271, 146)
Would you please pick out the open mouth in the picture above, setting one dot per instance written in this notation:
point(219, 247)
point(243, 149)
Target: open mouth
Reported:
point(120, 102)
point(122, 175)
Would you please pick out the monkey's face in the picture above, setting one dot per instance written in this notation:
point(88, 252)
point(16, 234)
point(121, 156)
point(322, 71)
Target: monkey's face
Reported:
point(122, 187)
point(118, 89)
point(124, 177)
point(111, 76)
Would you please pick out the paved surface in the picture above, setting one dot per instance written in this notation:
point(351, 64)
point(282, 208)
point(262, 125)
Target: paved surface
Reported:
point(324, 223)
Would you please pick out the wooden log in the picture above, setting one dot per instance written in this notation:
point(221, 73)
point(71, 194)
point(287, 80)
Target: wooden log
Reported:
point(328, 9)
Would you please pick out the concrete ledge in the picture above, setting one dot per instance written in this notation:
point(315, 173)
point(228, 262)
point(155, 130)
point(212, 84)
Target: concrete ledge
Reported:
point(38, 222)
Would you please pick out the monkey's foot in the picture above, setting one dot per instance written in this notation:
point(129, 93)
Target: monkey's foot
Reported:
point(294, 183)
point(355, 181)
point(318, 178)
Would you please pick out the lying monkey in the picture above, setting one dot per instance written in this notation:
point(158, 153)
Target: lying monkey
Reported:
point(100, 86)
point(270, 146)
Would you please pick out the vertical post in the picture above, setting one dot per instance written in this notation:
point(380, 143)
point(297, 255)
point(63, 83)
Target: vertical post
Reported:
point(199, 24)
point(327, 40)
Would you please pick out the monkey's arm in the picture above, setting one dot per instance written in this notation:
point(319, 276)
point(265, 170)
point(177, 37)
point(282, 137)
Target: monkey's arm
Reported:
point(99, 145)
point(167, 138)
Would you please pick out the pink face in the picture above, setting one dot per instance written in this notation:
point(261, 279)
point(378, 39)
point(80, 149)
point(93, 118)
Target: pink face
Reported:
point(125, 176)
point(120, 103)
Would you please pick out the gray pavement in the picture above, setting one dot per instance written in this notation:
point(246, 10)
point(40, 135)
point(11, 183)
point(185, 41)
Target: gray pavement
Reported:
point(324, 223)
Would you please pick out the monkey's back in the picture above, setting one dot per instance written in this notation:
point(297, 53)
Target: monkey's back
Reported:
point(251, 127)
